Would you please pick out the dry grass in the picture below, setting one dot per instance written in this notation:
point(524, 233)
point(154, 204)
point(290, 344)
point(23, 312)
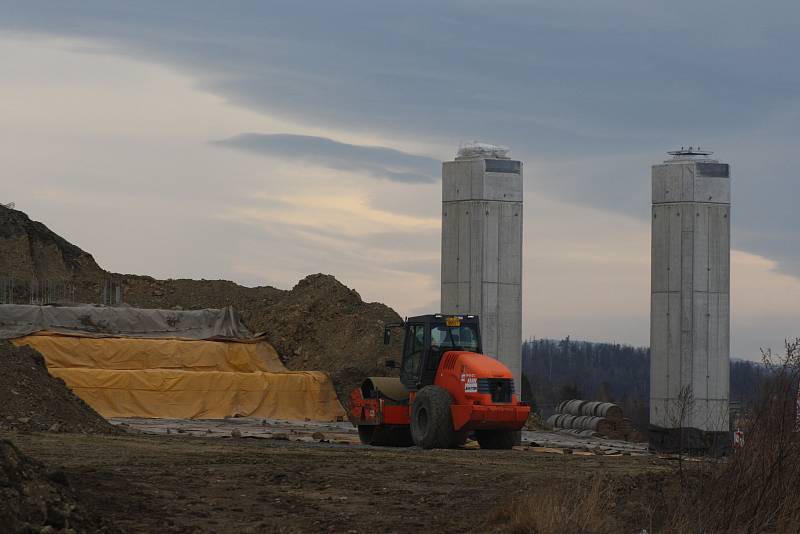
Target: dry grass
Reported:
point(758, 489)
point(558, 509)
point(535, 422)
point(755, 490)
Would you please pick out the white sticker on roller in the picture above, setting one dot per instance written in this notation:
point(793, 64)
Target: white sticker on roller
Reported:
point(471, 385)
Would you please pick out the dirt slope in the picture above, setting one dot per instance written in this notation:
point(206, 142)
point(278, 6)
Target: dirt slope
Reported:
point(32, 498)
point(320, 324)
point(28, 249)
point(33, 400)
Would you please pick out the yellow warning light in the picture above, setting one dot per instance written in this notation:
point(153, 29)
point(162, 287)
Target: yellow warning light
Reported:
point(453, 321)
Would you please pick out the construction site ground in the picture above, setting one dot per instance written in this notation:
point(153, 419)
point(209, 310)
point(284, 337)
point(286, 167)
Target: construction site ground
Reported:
point(273, 476)
point(344, 433)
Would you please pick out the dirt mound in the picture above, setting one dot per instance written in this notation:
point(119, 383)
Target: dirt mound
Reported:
point(32, 498)
point(318, 325)
point(33, 400)
point(322, 324)
point(147, 292)
point(30, 250)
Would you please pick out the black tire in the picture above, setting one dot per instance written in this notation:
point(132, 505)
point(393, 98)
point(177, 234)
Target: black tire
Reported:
point(495, 439)
point(385, 435)
point(431, 420)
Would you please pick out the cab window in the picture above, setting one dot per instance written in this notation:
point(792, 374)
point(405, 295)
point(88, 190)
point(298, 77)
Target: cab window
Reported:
point(444, 338)
point(462, 337)
point(415, 350)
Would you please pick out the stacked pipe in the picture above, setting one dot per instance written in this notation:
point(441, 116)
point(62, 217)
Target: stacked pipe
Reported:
point(592, 419)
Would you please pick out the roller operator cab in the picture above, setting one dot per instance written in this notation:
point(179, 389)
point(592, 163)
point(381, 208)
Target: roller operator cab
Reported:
point(446, 390)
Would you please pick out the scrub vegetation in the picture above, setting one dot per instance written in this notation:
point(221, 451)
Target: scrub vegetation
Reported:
point(752, 490)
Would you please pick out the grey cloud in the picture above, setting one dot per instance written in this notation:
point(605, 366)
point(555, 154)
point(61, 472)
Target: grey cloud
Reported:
point(589, 93)
point(551, 77)
point(378, 162)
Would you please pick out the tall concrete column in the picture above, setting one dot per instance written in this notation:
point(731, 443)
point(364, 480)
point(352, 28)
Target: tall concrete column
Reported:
point(482, 248)
point(690, 300)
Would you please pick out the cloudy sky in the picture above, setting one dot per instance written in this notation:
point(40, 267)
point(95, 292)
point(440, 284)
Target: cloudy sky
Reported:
point(263, 141)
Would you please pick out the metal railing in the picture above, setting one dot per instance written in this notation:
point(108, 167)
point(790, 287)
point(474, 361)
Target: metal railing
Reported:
point(40, 292)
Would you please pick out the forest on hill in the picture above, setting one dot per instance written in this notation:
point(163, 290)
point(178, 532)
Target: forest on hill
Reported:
point(556, 370)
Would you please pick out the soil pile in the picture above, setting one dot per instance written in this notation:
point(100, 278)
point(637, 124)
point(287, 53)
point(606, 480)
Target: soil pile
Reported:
point(147, 292)
point(318, 325)
point(32, 498)
point(30, 250)
point(33, 400)
point(322, 324)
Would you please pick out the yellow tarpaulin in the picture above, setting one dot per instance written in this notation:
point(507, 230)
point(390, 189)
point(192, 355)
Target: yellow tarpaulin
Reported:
point(205, 394)
point(171, 378)
point(133, 353)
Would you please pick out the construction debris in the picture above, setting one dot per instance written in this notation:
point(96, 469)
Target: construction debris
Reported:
point(549, 450)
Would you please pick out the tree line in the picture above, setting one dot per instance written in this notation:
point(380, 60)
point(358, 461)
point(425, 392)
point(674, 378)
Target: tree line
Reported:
point(556, 370)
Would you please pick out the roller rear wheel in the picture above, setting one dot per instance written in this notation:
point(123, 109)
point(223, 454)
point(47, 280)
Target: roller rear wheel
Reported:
point(431, 420)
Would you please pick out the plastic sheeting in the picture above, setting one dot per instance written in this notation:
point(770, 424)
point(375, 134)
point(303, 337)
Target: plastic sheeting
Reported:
point(101, 321)
point(475, 149)
point(174, 394)
point(172, 378)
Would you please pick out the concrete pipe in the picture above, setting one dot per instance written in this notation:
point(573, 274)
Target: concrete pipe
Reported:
point(608, 410)
point(590, 408)
point(598, 424)
point(579, 421)
point(566, 421)
point(573, 407)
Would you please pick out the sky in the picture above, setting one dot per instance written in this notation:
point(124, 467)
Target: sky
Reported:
point(264, 141)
